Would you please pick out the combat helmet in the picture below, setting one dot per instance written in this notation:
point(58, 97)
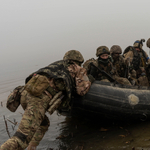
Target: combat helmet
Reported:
point(102, 50)
point(116, 49)
point(138, 43)
point(148, 43)
point(73, 55)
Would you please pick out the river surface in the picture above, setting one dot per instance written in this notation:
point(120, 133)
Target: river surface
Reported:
point(69, 133)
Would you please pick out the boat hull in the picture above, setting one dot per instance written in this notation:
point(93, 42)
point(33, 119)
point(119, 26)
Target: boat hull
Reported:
point(113, 101)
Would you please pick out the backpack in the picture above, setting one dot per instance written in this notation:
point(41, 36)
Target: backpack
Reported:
point(13, 100)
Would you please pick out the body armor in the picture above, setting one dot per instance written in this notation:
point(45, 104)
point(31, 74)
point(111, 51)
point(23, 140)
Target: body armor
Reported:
point(138, 60)
point(108, 68)
point(57, 70)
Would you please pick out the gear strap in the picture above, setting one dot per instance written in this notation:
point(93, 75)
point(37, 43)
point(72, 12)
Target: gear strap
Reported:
point(21, 136)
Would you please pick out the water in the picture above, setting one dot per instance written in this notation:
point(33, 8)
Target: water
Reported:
point(8, 81)
point(70, 133)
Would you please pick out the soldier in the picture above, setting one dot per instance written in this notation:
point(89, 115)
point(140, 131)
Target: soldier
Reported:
point(118, 60)
point(104, 62)
point(120, 64)
point(139, 61)
point(148, 67)
point(148, 43)
point(44, 91)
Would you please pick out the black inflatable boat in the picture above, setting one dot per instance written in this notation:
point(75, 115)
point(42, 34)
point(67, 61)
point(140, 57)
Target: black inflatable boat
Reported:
point(113, 101)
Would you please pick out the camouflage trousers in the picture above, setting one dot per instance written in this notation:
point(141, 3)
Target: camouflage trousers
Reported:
point(105, 80)
point(33, 125)
point(122, 80)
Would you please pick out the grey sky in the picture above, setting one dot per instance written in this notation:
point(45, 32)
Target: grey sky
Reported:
point(38, 32)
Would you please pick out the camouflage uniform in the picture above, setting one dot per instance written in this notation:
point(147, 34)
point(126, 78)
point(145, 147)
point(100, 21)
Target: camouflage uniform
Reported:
point(139, 61)
point(118, 62)
point(148, 43)
point(148, 67)
point(122, 66)
point(107, 66)
point(34, 122)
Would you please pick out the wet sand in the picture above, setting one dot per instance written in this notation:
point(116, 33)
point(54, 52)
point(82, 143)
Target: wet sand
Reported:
point(70, 133)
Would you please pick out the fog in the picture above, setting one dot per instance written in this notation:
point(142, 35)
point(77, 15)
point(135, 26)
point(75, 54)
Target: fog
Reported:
point(38, 32)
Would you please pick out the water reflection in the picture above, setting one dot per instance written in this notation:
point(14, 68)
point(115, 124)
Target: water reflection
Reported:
point(81, 134)
point(70, 133)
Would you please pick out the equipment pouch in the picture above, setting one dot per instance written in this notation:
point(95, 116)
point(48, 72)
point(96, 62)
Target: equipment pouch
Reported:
point(37, 85)
point(13, 100)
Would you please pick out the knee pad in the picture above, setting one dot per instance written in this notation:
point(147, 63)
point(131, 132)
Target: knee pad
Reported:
point(45, 122)
point(21, 136)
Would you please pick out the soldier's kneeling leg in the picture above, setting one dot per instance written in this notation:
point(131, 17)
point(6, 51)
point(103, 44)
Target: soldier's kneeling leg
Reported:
point(33, 116)
point(11, 144)
point(40, 132)
point(122, 80)
point(105, 80)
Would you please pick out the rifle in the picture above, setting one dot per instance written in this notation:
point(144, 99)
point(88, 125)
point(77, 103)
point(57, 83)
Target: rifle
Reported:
point(127, 71)
point(55, 102)
point(129, 68)
point(105, 73)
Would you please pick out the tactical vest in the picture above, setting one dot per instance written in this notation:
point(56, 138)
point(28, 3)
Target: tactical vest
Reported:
point(143, 60)
point(57, 70)
point(108, 68)
point(137, 61)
